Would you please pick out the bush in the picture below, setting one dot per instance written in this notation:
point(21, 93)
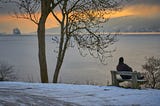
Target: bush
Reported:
point(152, 67)
point(7, 72)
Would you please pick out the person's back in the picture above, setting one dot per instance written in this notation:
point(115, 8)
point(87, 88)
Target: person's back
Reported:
point(123, 67)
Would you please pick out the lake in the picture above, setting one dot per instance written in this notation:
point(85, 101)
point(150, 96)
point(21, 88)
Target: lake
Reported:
point(22, 53)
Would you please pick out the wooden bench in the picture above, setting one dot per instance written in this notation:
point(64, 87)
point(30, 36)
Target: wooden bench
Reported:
point(135, 81)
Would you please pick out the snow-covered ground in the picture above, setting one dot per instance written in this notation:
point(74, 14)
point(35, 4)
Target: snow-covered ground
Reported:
point(37, 94)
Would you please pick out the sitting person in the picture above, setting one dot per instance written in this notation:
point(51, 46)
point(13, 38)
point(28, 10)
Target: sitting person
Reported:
point(124, 67)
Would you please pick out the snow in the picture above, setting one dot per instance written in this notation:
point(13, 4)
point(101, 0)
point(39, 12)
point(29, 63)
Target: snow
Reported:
point(22, 94)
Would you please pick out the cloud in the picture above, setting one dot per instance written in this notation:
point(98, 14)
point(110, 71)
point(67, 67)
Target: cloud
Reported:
point(145, 2)
point(7, 8)
point(141, 9)
point(144, 10)
point(7, 23)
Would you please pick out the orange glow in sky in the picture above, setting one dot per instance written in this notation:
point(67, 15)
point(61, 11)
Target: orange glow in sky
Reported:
point(7, 23)
point(138, 10)
point(51, 22)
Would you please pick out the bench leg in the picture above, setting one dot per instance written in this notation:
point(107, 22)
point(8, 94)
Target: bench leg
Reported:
point(135, 84)
point(114, 79)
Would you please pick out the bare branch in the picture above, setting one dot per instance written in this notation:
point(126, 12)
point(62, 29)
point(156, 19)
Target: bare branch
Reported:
point(54, 15)
point(82, 21)
point(7, 72)
point(27, 9)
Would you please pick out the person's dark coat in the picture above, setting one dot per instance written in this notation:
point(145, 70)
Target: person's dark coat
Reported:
point(124, 67)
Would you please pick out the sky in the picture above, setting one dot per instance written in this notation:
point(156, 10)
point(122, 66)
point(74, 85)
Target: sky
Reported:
point(139, 8)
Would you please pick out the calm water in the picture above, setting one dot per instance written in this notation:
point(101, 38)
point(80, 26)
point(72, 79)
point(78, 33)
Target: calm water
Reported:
point(21, 51)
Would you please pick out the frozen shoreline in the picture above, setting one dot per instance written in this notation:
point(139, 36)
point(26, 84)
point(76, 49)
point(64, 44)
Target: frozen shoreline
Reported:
point(20, 93)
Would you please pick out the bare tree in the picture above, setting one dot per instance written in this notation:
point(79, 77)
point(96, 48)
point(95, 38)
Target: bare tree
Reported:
point(46, 7)
point(29, 9)
point(82, 21)
point(152, 66)
point(7, 72)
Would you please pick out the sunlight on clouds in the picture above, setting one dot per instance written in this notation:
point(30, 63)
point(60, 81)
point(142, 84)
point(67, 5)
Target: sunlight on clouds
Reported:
point(139, 10)
point(7, 23)
point(51, 22)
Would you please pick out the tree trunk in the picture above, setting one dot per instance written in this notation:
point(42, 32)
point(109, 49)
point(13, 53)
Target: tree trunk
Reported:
point(45, 10)
point(63, 43)
point(41, 53)
point(59, 59)
point(56, 73)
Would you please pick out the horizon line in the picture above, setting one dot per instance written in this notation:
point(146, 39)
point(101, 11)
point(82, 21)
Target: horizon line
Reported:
point(120, 33)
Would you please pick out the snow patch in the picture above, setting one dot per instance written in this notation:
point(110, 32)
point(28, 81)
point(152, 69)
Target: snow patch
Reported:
point(64, 94)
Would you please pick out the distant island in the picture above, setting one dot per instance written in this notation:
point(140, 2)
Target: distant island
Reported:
point(16, 31)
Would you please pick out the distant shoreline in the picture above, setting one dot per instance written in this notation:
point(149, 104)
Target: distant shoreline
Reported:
point(140, 33)
point(119, 33)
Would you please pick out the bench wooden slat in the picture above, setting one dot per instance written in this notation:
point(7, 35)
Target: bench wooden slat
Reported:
point(122, 80)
